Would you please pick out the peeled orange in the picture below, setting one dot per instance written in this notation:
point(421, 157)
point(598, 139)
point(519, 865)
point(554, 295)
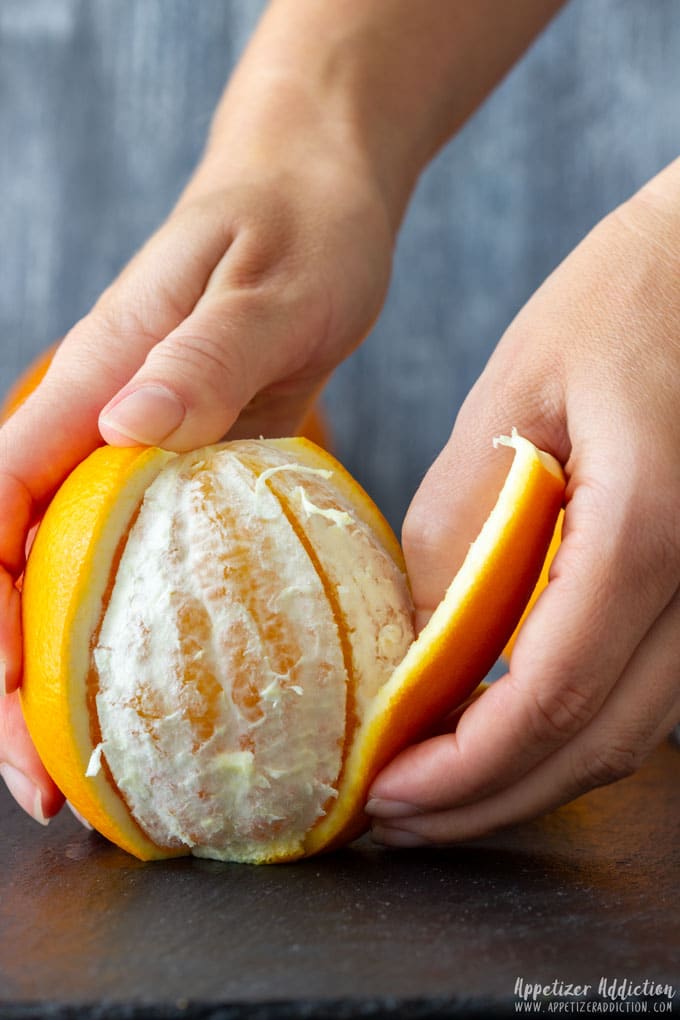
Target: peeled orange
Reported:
point(219, 645)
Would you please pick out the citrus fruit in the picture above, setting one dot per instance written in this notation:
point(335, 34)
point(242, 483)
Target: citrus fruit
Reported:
point(219, 645)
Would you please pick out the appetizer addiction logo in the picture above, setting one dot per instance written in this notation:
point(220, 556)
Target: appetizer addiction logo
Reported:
point(609, 995)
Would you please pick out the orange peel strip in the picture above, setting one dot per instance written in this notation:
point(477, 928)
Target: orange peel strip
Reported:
point(462, 639)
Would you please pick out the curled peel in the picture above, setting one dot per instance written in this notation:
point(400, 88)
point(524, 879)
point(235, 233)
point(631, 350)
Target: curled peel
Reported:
point(464, 636)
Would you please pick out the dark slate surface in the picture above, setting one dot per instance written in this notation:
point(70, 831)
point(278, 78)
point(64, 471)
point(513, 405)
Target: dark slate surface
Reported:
point(590, 891)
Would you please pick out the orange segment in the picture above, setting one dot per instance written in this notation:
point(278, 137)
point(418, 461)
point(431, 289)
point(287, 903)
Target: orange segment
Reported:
point(376, 628)
point(307, 453)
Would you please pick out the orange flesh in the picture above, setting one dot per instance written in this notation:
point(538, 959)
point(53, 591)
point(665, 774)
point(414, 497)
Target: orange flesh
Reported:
point(247, 564)
point(92, 682)
point(351, 717)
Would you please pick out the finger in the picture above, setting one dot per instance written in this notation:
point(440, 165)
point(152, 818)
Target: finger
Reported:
point(611, 579)
point(637, 716)
point(279, 410)
point(14, 526)
point(10, 635)
point(461, 487)
point(243, 347)
point(20, 767)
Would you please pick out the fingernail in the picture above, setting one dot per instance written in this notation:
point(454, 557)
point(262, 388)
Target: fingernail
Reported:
point(382, 808)
point(3, 678)
point(76, 814)
point(387, 835)
point(146, 415)
point(25, 792)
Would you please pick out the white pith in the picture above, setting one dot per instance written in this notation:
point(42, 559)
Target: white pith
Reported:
point(371, 592)
point(264, 773)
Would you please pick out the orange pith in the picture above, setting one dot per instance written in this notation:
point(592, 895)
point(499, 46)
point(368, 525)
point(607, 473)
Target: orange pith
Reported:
point(359, 687)
point(249, 563)
point(341, 623)
point(67, 596)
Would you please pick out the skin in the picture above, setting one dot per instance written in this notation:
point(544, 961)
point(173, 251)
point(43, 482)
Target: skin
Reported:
point(272, 268)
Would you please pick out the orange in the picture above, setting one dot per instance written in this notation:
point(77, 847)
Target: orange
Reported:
point(219, 646)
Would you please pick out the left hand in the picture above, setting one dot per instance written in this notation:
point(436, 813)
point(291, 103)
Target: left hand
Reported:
point(590, 371)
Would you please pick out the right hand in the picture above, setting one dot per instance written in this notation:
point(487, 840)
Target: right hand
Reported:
point(270, 270)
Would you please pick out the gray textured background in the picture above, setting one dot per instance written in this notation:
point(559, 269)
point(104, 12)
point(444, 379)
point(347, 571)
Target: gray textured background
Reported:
point(104, 106)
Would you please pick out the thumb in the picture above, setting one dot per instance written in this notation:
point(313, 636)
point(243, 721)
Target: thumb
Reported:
point(461, 487)
point(195, 382)
point(242, 349)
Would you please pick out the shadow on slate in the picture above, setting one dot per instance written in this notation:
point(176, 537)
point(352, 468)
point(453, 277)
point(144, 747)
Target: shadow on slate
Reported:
point(586, 893)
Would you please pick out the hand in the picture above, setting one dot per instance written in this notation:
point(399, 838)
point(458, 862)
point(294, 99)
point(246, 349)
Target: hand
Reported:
point(272, 267)
point(590, 371)
point(269, 271)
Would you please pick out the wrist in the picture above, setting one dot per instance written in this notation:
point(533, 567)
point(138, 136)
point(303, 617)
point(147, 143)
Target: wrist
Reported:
point(276, 119)
point(336, 80)
point(381, 84)
point(376, 86)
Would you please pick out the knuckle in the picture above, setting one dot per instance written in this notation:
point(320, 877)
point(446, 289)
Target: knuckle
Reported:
point(559, 712)
point(424, 534)
point(651, 547)
point(414, 536)
point(253, 261)
point(199, 362)
point(116, 317)
point(628, 542)
point(651, 216)
point(608, 764)
point(83, 354)
point(264, 240)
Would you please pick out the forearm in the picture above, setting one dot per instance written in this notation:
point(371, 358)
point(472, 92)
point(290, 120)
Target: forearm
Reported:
point(388, 81)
